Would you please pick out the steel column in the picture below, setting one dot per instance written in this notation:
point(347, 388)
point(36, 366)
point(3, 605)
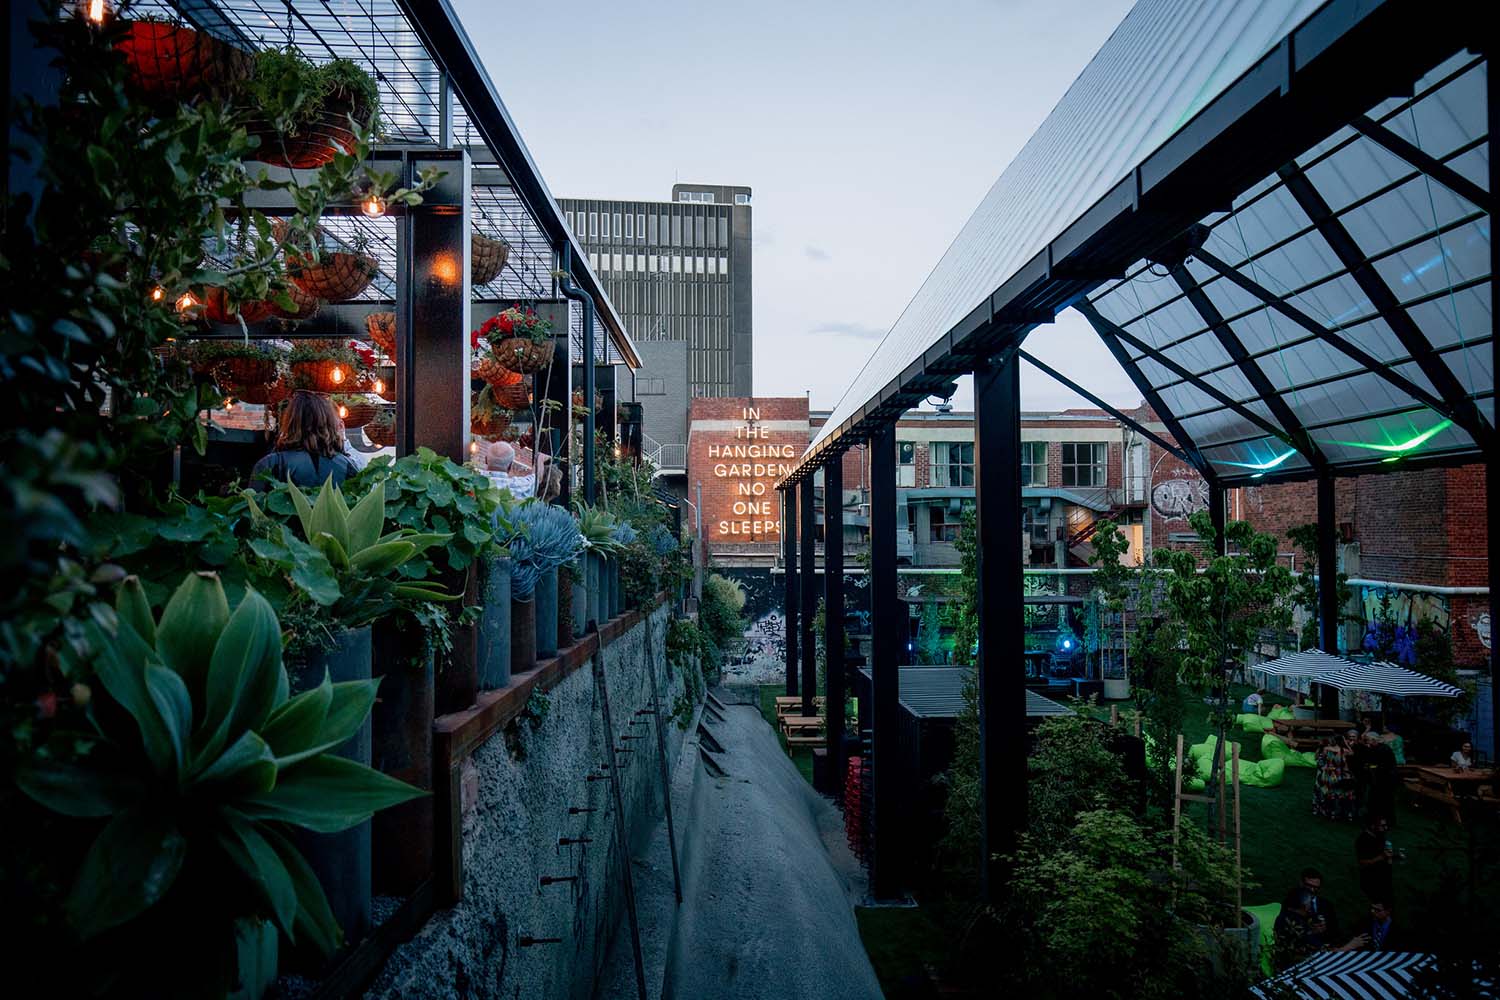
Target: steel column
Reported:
point(1491, 474)
point(833, 612)
point(553, 402)
point(1328, 587)
point(1218, 515)
point(887, 640)
point(1002, 690)
point(807, 509)
point(432, 295)
point(789, 538)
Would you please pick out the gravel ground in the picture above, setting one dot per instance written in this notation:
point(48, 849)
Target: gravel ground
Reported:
point(768, 884)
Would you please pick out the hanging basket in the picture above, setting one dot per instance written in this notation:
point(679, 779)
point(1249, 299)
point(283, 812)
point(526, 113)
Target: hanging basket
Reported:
point(493, 372)
point(516, 396)
point(304, 306)
point(357, 413)
point(337, 276)
point(314, 146)
point(324, 375)
point(487, 259)
point(490, 425)
point(170, 62)
point(216, 309)
point(381, 430)
point(381, 328)
point(383, 382)
point(523, 355)
point(245, 377)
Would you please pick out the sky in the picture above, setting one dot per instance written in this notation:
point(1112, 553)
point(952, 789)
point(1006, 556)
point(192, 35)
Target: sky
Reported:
point(868, 131)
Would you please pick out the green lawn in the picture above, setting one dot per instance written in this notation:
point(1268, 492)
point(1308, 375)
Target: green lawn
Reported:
point(801, 756)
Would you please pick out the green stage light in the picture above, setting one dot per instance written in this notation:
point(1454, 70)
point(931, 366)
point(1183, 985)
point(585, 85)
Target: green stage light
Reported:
point(1401, 448)
point(1264, 466)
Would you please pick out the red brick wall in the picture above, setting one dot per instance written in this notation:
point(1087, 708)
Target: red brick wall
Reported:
point(738, 459)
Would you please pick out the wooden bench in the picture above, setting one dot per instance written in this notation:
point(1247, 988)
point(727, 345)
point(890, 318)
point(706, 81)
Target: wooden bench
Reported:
point(1309, 734)
point(1436, 790)
point(791, 704)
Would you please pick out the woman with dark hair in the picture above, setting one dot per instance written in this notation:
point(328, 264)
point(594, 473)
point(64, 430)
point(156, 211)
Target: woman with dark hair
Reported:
point(309, 445)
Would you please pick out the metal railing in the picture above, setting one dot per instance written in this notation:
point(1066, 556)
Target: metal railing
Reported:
point(664, 456)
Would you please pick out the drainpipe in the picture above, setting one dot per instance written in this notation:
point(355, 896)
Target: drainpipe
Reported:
point(572, 291)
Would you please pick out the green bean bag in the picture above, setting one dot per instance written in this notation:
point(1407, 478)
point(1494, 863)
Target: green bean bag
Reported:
point(1252, 723)
point(1279, 712)
point(1266, 913)
point(1273, 746)
point(1262, 773)
point(1194, 784)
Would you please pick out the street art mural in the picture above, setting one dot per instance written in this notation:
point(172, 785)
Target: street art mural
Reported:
point(1174, 499)
point(1393, 618)
point(762, 656)
point(1481, 625)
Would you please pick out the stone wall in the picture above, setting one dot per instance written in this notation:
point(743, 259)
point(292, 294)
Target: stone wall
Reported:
point(518, 789)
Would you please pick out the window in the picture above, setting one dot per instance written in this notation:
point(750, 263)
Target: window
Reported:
point(640, 226)
point(1083, 463)
point(604, 262)
point(651, 262)
point(653, 387)
point(570, 221)
point(1033, 463)
point(604, 225)
point(640, 262)
point(742, 199)
point(906, 463)
point(652, 237)
point(700, 265)
point(594, 261)
point(698, 231)
point(713, 265)
point(676, 264)
point(724, 231)
point(677, 230)
point(724, 266)
point(630, 262)
point(619, 229)
point(911, 519)
point(593, 225)
point(1035, 526)
point(619, 264)
point(942, 524)
point(630, 227)
point(952, 463)
point(684, 196)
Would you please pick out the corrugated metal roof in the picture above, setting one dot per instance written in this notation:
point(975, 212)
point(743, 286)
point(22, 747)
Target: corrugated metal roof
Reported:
point(1163, 64)
point(938, 693)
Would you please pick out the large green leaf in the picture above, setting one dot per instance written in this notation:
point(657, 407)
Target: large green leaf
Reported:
point(257, 954)
point(170, 696)
point(123, 676)
point(366, 520)
point(189, 628)
point(380, 559)
point(332, 549)
point(314, 922)
point(129, 868)
point(303, 508)
point(246, 767)
point(259, 862)
point(328, 794)
point(327, 516)
point(75, 790)
point(243, 673)
point(295, 725)
point(135, 610)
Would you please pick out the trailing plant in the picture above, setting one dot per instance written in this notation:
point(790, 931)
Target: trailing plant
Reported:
point(193, 767)
point(545, 537)
point(516, 322)
point(291, 92)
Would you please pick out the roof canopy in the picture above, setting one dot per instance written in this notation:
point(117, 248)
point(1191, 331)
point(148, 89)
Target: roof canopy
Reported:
point(434, 91)
point(1290, 263)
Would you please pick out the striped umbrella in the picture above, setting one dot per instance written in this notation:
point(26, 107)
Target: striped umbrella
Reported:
point(1348, 975)
point(1306, 663)
point(1387, 678)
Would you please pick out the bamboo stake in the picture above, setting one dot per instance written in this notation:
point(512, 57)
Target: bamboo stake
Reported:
point(1224, 799)
point(1114, 716)
point(1177, 802)
point(1239, 878)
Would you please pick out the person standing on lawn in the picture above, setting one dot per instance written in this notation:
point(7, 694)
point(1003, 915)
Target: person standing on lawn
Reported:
point(1376, 858)
point(1380, 768)
point(1333, 787)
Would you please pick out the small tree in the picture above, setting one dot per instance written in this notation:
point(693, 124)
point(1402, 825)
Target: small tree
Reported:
point(1111, 581)
point(1306, 595)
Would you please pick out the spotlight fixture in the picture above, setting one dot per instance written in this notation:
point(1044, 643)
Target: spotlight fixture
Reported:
point(372, 205)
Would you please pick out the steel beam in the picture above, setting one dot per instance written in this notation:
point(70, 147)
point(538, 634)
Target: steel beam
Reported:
point(1002, 690)
point(1130, 422)
point(887, 640)
point(1147, 390)
point(1385, 301)
point(833, 612)
point(793, 592)
point(1491, 473)
point(1230, 342)
point(807, 509)
point(1375, 366)
point(1425, 162)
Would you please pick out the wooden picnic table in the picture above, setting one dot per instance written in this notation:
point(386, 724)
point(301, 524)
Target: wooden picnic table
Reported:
point(790, 722)
point(1304, 734)
point(1448, 785)
point(1474, 776)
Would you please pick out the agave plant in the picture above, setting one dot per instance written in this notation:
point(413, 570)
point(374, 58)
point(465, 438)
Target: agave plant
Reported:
point(351, 569)
point(200, 764)
point(598, 527)
point(546, 536)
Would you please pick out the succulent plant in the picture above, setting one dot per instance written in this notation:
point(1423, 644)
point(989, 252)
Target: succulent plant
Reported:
point(546, 536)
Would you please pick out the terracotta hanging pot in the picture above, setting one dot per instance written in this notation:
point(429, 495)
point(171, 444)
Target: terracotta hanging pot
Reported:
point(487, 258)
point(491, 425)
point(382, 429)
point(381, 328)
point(523, 355)
point(244, 377)
point(512, 397)
point(311, 147)
point(322, 375)
point(355, 412)
point(304, 305)
point(171, 62)
point(216, 309)
point(493, 372)
point(337, 276)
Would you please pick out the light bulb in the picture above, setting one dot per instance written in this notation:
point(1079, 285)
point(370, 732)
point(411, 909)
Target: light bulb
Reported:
point(95, 10)
point(473, 447)
point(186, 302)
point(373, 205)
point(158, 293)
point(228, 405)
point(337, 375)
point(343, 411)
point(380, 385)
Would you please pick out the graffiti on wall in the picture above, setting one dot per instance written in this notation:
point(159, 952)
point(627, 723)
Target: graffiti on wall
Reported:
point(1481, 625)
point(1174, 499)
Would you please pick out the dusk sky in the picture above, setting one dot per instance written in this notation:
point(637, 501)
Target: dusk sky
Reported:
point(862, 175)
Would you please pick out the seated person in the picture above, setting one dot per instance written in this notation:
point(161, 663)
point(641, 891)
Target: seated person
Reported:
point(509, 471)
point(1253, 702)
point(310, 445)
point(1298, 932)
point(1311, 885)
point(1377, 933)
point(1463, 757)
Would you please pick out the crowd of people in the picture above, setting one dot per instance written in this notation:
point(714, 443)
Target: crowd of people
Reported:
point(1309, 923)
point(1356, 775)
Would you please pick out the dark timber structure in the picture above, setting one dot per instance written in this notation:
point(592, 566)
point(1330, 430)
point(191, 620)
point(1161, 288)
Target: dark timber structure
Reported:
point(1285, 244)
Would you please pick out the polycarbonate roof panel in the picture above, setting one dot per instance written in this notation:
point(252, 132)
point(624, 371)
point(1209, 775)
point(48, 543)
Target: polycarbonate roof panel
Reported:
point(1426, 243)
point(1166, 61)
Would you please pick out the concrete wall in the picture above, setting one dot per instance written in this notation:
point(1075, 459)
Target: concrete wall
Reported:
point(518, 788)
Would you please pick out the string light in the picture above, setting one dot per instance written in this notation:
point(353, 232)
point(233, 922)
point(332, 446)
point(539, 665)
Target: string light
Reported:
point(337, 375)
point(373, 205)
point(380, 385)
point(186, 302)
point(228, 405)
point(158, 293)
point(473, 447)
point(94, 10)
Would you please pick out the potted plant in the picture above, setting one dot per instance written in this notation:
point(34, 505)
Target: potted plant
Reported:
point(597, 527)
point(293, 304)
point(380, 328)
point(303, 112)
point(243, 370)
point(486, 417)
point(323, 366)
point(487, 258)
point(543, 538)
point(337, 275)
point(381, 430)
point(199, 771)
point(518, 339)
point(168, 62)
point(218, 309)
